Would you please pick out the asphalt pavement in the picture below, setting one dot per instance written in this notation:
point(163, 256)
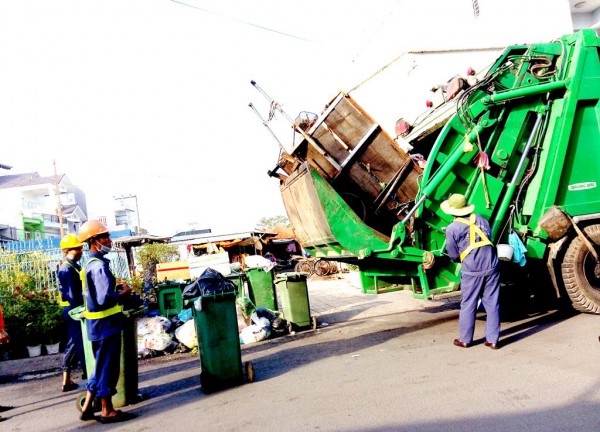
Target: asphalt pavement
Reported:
point(375, 363)
point(333, 299)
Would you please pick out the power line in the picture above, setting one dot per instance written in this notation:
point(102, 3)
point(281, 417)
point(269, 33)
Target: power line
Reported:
point(243, 22)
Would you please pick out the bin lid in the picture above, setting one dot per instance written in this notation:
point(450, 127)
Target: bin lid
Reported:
point(252, 269)
point(292, 276)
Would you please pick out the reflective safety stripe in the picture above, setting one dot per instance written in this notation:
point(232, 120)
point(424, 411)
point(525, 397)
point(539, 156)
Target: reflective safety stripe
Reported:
point(63, 302)
point(473, 230)
point(100, 314)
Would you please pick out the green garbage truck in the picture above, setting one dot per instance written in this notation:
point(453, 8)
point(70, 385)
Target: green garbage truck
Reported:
point(522, 145)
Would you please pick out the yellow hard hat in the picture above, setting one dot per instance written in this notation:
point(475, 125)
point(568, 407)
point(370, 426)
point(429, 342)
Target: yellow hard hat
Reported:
point(90, 229)
point(70, 241)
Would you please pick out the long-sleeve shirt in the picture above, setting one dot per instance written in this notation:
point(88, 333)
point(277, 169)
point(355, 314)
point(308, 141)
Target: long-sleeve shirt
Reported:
point(479, 262)
point(69, 284)
point(101, 295)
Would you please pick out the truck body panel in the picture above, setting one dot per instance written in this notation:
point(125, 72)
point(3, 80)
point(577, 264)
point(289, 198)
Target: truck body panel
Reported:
point(521, 147)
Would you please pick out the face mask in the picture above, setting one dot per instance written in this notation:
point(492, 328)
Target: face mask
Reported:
point(103, 249)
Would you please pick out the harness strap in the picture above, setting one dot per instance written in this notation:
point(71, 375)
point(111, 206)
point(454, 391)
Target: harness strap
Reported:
point(100, 314)
point(473, 231)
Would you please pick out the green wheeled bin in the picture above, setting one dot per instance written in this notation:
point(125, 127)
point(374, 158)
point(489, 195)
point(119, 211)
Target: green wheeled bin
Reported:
point(293, 293)
point(238, 280)
point(170, 298)
point(215, 319)
point(127, 386)
point(261, 289)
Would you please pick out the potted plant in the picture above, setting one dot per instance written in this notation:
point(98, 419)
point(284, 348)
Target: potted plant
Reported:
point(51, 325)
point(29, 313)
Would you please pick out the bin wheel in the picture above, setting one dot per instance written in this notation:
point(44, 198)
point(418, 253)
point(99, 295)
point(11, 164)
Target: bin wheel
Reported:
point(80, 401)
point(313, 323)
point(249, 367)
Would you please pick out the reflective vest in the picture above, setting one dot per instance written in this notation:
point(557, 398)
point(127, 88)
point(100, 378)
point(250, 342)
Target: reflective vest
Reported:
point(63, 302)
point(473, 230)
point(95, 315)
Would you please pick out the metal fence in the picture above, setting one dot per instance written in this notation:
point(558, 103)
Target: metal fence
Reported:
point(39, 267)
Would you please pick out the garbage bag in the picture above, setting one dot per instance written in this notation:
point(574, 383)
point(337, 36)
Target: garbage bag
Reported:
point(253, 333)
point(263, 312)
point(186, 334)
point(519, 248)
point(257, 261)
point(176, 323)
point(156, 324)
point(279, 327)
point(209, 282)
point(157, 341)
point(185, 315)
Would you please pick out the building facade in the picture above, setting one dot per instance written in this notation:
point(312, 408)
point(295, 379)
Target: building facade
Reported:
point(33, 207)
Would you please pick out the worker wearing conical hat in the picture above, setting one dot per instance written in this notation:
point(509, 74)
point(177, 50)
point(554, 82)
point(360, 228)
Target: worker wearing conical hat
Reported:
point(467, 241)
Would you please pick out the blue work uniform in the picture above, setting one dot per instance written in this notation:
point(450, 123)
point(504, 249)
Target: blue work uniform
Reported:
point(480, 277)
point(104, 323)
point(69, 285)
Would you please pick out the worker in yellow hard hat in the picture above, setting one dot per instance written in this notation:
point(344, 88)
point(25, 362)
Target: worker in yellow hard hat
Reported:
point(104, 322)
point(69, 283)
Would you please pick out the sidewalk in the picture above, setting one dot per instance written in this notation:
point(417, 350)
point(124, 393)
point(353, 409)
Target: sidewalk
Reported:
point(333, 299)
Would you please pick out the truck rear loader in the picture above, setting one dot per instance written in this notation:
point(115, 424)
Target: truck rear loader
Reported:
point(523, 146)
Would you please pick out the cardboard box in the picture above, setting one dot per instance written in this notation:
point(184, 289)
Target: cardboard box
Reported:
point(177, 270)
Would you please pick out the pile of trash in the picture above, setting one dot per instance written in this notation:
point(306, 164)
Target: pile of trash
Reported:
point(158, 335)
point(256, 324)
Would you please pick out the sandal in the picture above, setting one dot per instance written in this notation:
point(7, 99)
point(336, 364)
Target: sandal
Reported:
point(120, 416)
point(87, 415)
point(69, 387)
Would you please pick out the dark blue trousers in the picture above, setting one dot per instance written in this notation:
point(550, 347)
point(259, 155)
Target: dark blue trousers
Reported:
point(488, 289)
point(107, 352)
point(74, 356)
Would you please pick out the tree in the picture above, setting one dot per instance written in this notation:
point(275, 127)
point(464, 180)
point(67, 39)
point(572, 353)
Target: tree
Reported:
point(267, 223)
point(151, 254)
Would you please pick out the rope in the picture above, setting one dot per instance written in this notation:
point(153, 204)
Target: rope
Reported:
point(509, 221)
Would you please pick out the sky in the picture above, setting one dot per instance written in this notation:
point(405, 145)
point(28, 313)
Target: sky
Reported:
point(150, 97)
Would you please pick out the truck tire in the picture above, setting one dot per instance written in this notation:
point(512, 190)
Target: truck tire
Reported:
point(578, 273)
